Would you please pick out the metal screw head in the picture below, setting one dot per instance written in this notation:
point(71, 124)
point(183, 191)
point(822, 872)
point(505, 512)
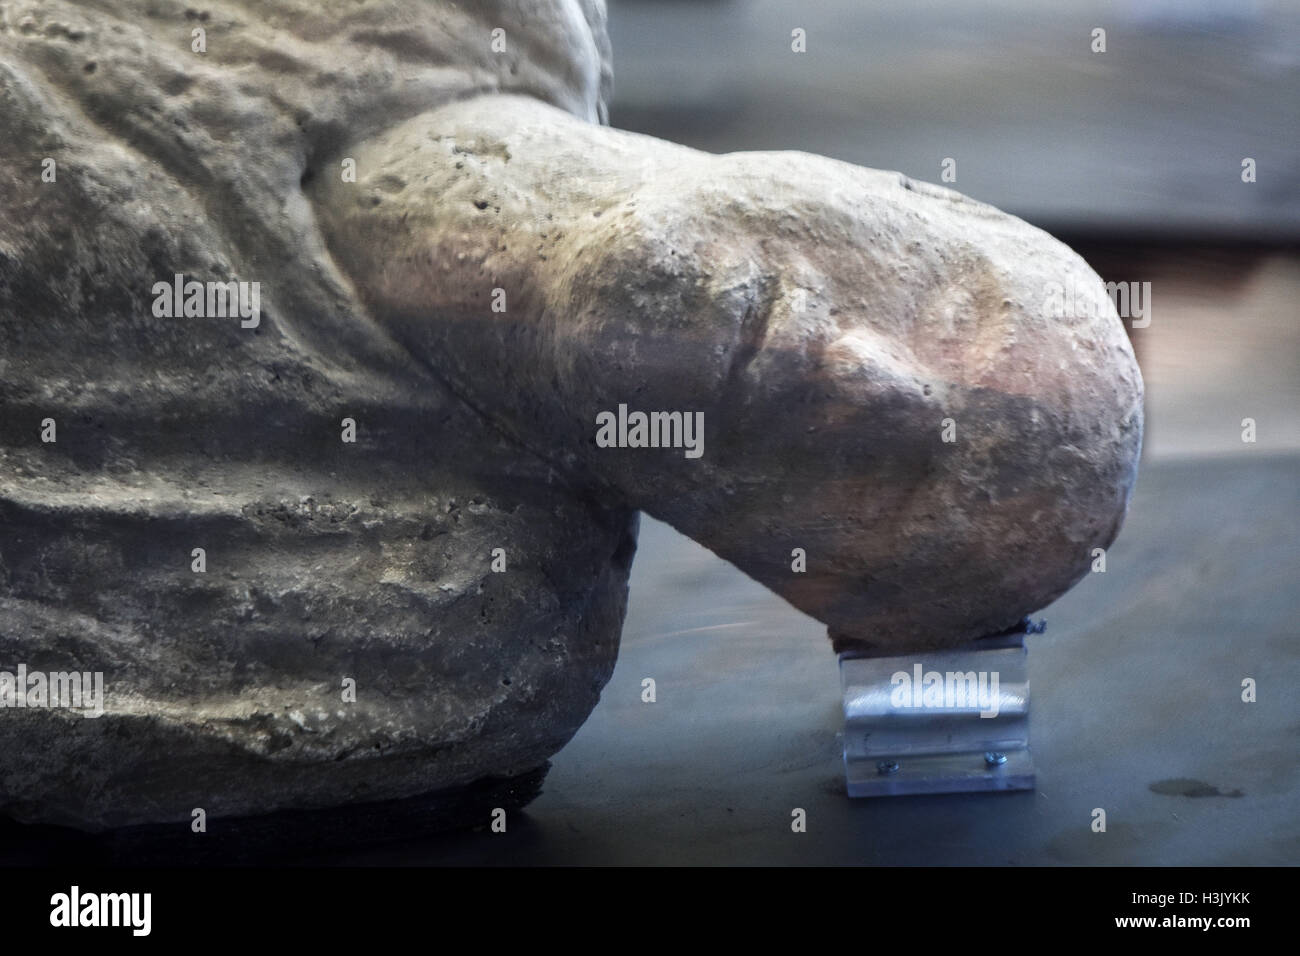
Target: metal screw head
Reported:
point(995, 759)
point(887, 766)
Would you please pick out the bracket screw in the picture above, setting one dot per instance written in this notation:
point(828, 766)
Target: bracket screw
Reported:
point(887, 766)
point(995, 759)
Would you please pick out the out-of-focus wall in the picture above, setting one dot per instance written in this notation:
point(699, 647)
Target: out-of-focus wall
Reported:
point(1147, 136)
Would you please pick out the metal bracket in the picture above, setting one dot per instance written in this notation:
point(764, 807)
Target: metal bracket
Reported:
point(946, 722)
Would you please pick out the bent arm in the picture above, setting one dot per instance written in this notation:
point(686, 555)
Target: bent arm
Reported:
point(880, 382)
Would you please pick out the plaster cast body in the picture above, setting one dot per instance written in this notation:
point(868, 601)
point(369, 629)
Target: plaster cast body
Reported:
point(635, 272)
